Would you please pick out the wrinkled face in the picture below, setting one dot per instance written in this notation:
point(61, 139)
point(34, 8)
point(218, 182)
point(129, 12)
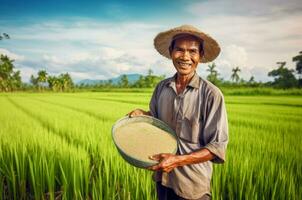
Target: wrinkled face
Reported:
point(186, 55)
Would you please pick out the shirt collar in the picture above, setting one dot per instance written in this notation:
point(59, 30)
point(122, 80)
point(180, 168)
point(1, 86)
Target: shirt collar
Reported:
point(194, 83)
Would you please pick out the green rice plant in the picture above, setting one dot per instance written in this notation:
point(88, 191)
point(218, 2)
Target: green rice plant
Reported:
point(61, 147)
point(29, 163)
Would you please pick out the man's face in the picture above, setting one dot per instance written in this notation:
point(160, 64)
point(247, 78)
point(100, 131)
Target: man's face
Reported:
point(186, 55)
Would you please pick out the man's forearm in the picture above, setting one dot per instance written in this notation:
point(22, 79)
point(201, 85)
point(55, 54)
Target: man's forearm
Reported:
point(199, 156)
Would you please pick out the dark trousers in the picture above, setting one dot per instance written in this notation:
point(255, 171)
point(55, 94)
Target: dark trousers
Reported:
point(165, 193)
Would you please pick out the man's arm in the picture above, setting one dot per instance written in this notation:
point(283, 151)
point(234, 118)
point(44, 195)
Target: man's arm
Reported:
point(169, 161)
point(216, 132)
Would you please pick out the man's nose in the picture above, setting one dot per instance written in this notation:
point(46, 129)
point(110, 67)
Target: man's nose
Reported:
point(186, 55)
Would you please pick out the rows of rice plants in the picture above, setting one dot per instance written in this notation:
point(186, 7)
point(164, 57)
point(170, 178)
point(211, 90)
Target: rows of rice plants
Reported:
point(46, 134)
point(107, 175)
point(35, 163)
point(264, 153)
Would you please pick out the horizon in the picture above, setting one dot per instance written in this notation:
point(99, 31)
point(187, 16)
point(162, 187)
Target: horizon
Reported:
point(102, 40)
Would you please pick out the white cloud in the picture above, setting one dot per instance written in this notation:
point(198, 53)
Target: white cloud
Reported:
point(253, 36)
point(11, 55)
point(275, 8)
point(263, 33)
point(88, 47)
point(235, 55)
point(26, 72)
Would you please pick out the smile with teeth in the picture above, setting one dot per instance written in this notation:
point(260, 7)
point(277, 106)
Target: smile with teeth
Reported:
point(184, 64)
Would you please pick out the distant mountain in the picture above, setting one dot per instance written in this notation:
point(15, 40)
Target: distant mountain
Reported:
point(88, 82)
point(132, 78)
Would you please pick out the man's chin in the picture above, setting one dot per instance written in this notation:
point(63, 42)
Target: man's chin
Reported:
point(184, 73)
point(184, 70)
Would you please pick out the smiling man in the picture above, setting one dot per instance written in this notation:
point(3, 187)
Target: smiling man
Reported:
point(194, 108)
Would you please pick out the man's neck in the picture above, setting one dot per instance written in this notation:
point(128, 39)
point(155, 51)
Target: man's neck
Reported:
point(183, 81)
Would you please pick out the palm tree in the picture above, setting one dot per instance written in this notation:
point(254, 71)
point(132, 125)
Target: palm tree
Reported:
point(282, 64)
point(34, 80)
point(6, 69)
point(235, 75)
point(298, 60)
point(54, 83)
point(252, 79)
point(211, 69)
point(42, 78)
point(213, 76)
point(124, 82)
point(4, 36)
point(150, 79)
point(284, 77)
point(66, 82)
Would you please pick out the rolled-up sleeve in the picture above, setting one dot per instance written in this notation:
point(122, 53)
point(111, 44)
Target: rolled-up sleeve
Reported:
point(215, 129)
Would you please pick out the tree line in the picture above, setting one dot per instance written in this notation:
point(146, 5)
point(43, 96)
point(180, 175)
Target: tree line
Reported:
point(10, 80)
point(148, 81)
point(283, 77)
point(60, 83)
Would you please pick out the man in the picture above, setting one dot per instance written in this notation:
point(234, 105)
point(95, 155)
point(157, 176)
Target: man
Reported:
point(195, 109)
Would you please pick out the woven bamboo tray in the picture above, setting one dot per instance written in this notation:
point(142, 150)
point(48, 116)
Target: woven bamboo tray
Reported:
point(152, 128)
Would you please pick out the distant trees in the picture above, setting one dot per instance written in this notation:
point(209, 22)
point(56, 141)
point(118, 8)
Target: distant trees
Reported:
point(42, 76)
point(151, 80)
point(284, 77)
point(67, 82)
point(252, 80)
point(41, 81)
point(213, 74)
point(298, 60)
point(60, 83)
point(148, 81)
point(9, 79)
point(124, 81)
point(235, 76)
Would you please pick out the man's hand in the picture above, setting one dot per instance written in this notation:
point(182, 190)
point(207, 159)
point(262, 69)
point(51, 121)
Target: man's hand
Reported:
point(167, 162)
point(138, 112)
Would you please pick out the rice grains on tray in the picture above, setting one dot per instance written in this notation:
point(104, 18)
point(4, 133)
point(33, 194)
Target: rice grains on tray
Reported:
point(141, 140)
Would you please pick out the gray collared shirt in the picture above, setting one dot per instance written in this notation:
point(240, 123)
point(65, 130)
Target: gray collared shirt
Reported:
point(198, 116)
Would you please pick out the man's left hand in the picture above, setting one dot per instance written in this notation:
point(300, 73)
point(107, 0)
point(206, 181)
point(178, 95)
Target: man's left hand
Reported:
point(167, 162)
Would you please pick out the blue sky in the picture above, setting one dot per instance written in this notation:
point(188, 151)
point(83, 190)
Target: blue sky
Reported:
point(103, 39)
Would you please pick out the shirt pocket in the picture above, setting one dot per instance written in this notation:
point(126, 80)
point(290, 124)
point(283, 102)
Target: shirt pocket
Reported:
point(190, 130)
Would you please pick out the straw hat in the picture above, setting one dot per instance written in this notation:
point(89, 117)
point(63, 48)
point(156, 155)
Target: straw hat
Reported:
point(163, 41)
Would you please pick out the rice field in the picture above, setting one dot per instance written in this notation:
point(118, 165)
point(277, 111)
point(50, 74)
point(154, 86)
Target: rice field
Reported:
point(58, 146)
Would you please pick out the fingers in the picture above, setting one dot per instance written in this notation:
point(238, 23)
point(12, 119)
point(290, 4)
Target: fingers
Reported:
point(161, 167)
point(166, 162)
point(136, 112)
point(159, 157)
point(156, 157)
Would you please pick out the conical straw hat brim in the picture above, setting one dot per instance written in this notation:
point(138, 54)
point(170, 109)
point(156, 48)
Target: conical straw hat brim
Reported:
point(163, 41)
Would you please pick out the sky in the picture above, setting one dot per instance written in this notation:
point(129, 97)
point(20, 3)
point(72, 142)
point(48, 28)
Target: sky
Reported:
point(99, 39)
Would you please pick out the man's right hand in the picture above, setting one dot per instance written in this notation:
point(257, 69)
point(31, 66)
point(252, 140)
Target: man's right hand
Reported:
point(138, 112)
